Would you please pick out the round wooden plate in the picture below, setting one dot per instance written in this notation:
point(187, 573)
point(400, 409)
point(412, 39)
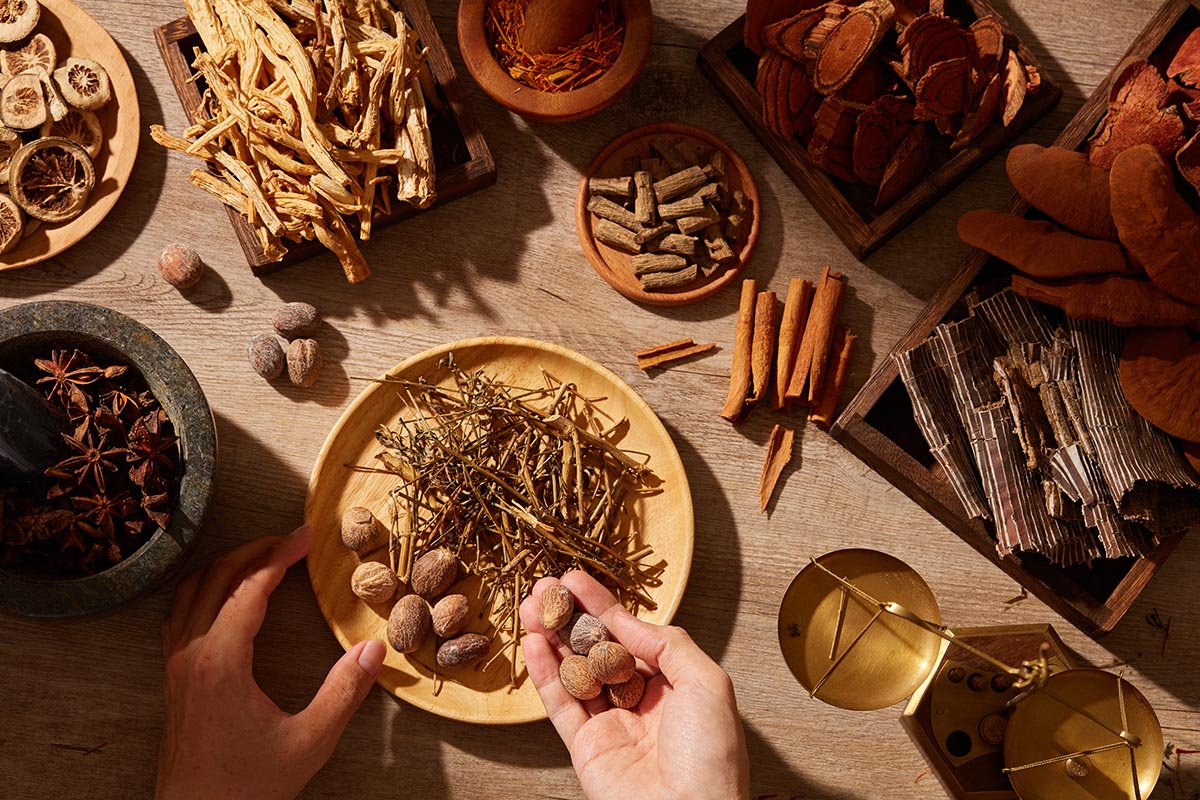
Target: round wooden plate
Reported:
point(75, 33)
point(613, 264)
point(482, 696)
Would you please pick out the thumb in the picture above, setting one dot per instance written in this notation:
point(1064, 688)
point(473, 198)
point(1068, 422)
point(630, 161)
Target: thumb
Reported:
point(343, 691)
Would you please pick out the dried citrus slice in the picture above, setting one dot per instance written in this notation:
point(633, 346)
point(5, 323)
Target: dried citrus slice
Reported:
point(81, 127)
point(83, 83)
point(51, 179)
point(10, 143)
point(18, 18)
point(22, 104)
point(12, 223)
point(38, 52)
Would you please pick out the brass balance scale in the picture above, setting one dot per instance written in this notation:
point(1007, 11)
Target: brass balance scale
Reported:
point(999, 713)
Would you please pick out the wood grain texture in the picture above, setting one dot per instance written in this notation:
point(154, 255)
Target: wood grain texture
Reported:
point(506, 261)
point(486, 696)
point(873, 423)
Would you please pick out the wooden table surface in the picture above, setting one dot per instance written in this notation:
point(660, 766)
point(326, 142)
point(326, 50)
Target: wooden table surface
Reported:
point(80, 701)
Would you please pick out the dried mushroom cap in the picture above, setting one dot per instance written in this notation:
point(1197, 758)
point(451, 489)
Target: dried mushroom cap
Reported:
point(12, 223)
point(81, 127)
point(1160, 370)
point(52, 179)
point(38, 52)
point(18, 18)
point(22, 102)
point(83, 83)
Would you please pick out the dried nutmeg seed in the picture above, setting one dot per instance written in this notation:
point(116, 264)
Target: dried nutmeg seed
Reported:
point(584, 631)
point(266, 356)
point(450, 615)
point(408, 624)
point(610, 662)
point(433, 573)
point(463, 651)
point(296, 320)
point(577, 678)
point(627, 694)
point(304, 362)
point(180, 266)
point(556, 607)
point(360, 529)
point(373, 582)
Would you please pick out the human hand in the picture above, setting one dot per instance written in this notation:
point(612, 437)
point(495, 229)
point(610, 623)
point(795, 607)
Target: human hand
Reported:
point(224, 737)
point(684, 739)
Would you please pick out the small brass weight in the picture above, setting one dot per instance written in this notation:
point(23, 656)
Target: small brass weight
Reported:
point(1000, 713)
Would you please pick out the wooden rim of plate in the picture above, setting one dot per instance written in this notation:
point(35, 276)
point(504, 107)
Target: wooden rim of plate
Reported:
point(75, 32)
point(618, 276)
point(547, 106)
point(667, 518)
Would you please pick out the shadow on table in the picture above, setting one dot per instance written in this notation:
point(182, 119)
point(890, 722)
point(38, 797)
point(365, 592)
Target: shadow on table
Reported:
point(771, 778)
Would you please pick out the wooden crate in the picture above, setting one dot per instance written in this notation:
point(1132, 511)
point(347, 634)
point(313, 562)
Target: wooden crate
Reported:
point(462, 158)
point(849, 209)
point(879, 428)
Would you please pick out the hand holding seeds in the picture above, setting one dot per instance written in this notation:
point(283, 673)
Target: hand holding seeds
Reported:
point(670, 729)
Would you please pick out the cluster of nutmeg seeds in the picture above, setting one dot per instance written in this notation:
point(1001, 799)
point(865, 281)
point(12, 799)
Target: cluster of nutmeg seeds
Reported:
point(597, 664)
point(412, 618)
point(295, 322)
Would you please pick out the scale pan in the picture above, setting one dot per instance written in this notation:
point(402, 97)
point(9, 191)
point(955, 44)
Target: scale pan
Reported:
point(1041, 727)
point(891, 659)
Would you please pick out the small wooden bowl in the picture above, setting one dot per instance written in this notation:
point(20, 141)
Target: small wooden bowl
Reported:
point(74, 33)
point(554, 106)
point(613, 265)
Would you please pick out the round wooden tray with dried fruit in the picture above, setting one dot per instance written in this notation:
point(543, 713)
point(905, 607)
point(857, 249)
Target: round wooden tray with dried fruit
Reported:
point(55, 94)
point(504, 473)
point(668, 214)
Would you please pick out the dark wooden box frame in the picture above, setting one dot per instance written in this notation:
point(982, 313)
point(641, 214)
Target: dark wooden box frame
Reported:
point(884, 397)
point(478, 171)
point(859, 229)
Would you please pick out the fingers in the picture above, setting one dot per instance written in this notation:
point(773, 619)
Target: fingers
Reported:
point(213, 586)
point(240, 617)
point(181, 605)
point(343, 691)
point(665, 648)
point(566, 713)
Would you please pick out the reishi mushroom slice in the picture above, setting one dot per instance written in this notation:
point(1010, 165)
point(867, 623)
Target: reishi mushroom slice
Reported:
point(1064, 186)
point(1040, 248)
point(1160, 373)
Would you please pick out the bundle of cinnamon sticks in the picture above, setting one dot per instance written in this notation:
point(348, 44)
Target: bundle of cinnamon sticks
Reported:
point(798, 359)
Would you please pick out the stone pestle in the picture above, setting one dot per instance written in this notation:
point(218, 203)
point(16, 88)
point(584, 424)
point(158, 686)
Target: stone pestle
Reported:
point(30, 432)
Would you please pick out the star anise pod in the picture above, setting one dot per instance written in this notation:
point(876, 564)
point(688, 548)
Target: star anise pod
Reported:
point(151, 449)
point(104, 512)
point(66, 373)
point(46, 524)
point(91, 460)
point(156, 502)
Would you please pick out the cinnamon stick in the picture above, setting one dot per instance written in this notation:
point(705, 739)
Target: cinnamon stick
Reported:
point(762, 348)
point(675, 351)
point(740, 373)
point(779, 453)
point(825, 410)
point(791, 328)
point(808, 374)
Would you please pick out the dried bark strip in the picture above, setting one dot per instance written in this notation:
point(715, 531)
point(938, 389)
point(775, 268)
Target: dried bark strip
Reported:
point(613, 187)
point(670, 353)
point(606, 209)
point(779, 454)
point(740, 373)
point(657, 281)
point(643, 199)
point(647, 263)
point(762, 349)
point(613, 235)
point(808, 374)
point(825, 411)
point(791, 328)
point(677, 183)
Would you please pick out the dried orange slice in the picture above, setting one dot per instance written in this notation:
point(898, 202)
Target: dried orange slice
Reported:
point(83, 83)
point(39, 52)
point(12, 223)
point(81, 127)
point(10, 143)
point(51, 179)
point(18, 18)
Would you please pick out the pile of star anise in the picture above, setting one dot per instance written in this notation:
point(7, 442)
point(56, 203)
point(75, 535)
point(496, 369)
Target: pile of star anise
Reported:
point(116, 486)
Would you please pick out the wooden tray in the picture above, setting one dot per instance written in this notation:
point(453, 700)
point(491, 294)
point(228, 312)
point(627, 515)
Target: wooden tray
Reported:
point(878, 424)
point(479, 695)
point(613, 265)
point(74, 33)
point(849, 209)
point(464, 162)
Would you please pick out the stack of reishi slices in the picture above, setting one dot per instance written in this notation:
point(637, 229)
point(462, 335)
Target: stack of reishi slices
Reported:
point(49, 132)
